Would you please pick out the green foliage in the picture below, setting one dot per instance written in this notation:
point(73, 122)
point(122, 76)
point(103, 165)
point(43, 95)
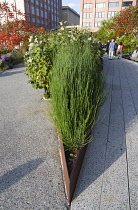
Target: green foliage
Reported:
point(42, 50)
point(3, 66)
point(16, 55)
point(105, 31)
point(67, 64)
point(129, 43)
point(77, 92)
point(126, 22)
point(3, 51)
point(38, 61)
point(123, 27)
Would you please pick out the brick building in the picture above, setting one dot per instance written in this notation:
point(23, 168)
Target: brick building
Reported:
point(43, 13)
point(93, 12)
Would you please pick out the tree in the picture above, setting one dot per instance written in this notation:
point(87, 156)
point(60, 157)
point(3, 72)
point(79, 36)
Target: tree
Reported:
point(105, 31)
point(9, 12)
point(15, 29)
point(123, 27)
point(126, 22)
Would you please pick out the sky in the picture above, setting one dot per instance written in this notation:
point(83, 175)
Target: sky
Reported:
point(72, 4)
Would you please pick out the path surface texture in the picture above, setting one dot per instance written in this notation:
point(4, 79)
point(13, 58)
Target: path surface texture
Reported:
point(30, 169)
point(109, 175)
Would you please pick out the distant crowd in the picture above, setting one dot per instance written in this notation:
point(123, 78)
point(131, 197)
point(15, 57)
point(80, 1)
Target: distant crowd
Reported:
point(114, 49)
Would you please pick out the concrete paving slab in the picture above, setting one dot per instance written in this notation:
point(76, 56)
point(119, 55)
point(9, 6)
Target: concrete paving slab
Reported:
point(108, 178)
point(30, 169)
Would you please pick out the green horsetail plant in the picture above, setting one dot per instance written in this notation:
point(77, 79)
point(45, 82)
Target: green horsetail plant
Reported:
point(77, 92)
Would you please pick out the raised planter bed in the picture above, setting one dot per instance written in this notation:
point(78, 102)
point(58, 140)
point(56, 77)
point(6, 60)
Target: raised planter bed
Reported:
point(70, 180)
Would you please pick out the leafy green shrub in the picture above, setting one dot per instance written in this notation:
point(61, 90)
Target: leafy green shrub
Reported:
point(41, 53)
point(77, 92)
point(129, 41)
point(3, 51)
point(16, 55)
point(3, 66)
point(38, 63)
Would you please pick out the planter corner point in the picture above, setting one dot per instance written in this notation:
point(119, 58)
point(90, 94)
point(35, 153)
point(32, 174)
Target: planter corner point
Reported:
point(70, 181)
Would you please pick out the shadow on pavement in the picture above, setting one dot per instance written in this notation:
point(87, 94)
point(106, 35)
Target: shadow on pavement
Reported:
point(16, 174)
point(15, 70)
point(9, 73)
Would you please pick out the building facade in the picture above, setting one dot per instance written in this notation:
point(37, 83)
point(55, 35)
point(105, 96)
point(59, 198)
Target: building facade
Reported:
point(93, 12)
point(71, 17)
point(43, 13)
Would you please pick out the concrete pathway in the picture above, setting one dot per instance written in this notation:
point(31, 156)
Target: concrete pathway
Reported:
point(30, 169)
point(109, 175)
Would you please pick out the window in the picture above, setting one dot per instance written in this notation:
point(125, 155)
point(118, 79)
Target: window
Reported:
point(37, 11)
point(97, 24)
point(42, 14)
point(87, 24)
point(100, 14)
point(111, 14)
point(114, 4)
point(32, 10)
point(38, 21)
point(84, 15)
point(87, 6)
point(87, 15)
point(28, 18)
point(126, 4)
point(33, 19)
point(100, 5)
point(27, 8)
point(45, 14)
point(52, 17)
point(57, 19)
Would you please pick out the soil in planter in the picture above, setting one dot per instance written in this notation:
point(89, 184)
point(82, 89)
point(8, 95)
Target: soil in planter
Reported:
point(70, 160)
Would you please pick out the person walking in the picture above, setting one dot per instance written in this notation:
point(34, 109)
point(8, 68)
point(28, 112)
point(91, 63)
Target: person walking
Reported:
point(111, 49)
point(120, 49)
point(107, 47)
point(116, 47)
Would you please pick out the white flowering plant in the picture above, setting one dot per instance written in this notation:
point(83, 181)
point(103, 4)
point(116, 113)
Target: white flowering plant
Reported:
point(42, 50)
point(38, 63)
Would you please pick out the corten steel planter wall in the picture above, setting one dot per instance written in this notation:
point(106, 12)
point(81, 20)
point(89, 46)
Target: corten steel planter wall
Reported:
point(71, 181)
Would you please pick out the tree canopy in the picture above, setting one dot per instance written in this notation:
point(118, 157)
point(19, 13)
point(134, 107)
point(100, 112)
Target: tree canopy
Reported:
point(14, 29)
point(124, 23)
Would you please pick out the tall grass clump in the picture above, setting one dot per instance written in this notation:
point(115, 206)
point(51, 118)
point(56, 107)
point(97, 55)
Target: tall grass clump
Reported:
point(77, 92)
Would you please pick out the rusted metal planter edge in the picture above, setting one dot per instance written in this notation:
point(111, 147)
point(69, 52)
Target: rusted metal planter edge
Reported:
point(70, 182)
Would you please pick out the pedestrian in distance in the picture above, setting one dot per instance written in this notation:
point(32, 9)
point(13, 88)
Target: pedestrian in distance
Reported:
point(111, 49)
point(107, 47)
point(116, 47)
point(120, 49)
